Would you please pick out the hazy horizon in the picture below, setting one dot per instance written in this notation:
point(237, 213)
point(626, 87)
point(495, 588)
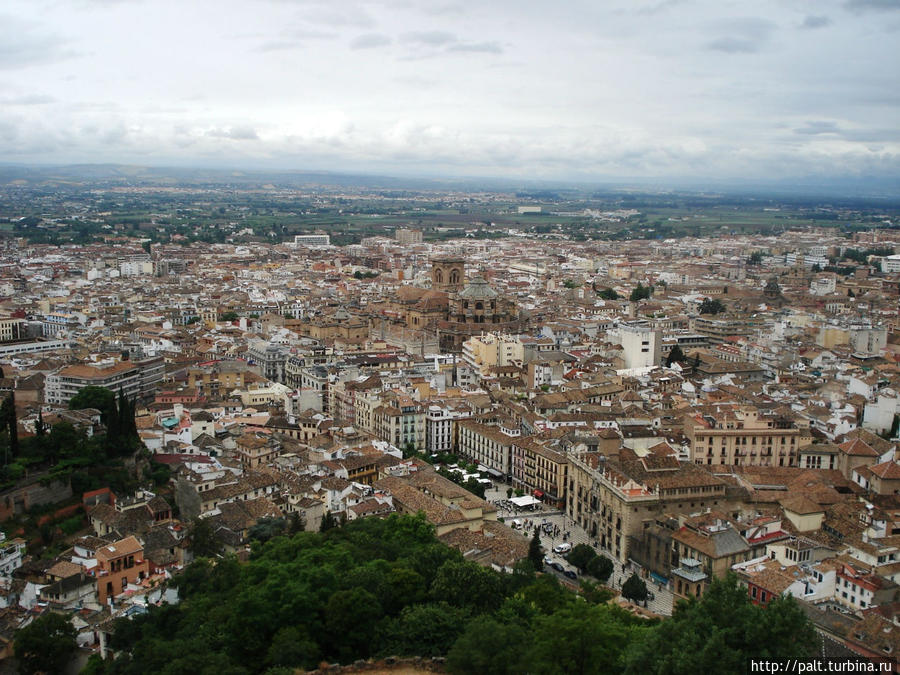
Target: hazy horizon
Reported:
point(668, 91)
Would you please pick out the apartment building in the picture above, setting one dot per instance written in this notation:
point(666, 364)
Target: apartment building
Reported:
point(490, 446)
point(407, 236)
point(118, 565)
point(312, 240)
point(401, 423)
point(268, 359)
point(540, 471)
point(492, 350)
point(641, 346)
point(746, 437)
point(54, 323)
point(441, 430)
point(612, 500)
point(343, 394)
point(255, 450)
point(133, 378)
point(12, 329)
point(11, 552)
point(719, 329)
point(216, 379)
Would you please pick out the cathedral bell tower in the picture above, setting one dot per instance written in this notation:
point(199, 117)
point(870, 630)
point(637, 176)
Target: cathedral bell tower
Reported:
point(448, 274)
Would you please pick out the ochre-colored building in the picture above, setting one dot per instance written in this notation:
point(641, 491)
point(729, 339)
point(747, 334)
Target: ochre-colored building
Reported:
point(118, 565)
point(746, 438)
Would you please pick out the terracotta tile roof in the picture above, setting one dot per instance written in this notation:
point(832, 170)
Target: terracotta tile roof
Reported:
point(773, 580)
point(126, 546)
point(64, 569)
point(716, 545)
point(889, 470)
point(874, 441)
point(802, 505)
point(496, 544)
point(858, 448)
point(877, 634)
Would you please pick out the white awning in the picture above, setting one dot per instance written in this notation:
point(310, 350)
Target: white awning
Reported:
point(523, 502)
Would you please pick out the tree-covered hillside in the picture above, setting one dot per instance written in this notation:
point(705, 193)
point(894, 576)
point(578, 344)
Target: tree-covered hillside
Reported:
point(389, 587)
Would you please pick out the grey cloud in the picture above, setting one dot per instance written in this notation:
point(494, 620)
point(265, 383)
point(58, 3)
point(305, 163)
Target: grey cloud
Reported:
point(94, 106)
point(350, 17)
point(657, 7)
point(435, 38)
point(858, 135)
point(733, 45)
point(811, 22)
point(741, 36)
point(370, 41)
point(154, 109)
point(295, 39)
point(869, 135)
point(444, 10)
point(8, 130)
point(235, 133)
point(860, 6)
point(815, 127)
point(21, 44)
point(484, 47)
point(30, 99)
point(104, 3)
point(278, 46)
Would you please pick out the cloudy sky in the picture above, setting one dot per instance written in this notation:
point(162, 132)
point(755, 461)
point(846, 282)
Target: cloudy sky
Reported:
point(578, 89)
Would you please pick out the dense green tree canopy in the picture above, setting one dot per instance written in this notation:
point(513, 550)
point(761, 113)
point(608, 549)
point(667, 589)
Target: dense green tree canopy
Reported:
point(635, 589)
point(581, 555)
point(721, 632)
point(640, 292)
point(709, 306)
point(45, 645)
point(100, 398)
point(676, 355)
point(379, 587)
point(600, 567)
point(608, 294)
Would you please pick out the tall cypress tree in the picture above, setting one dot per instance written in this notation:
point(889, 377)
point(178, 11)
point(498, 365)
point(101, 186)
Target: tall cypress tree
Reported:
point(127, 424)
point(535, 554)
point(113, 429)
point(39, 425)
point(13, 425)
point(122, 409)
point(4, 426)
point(132, 421)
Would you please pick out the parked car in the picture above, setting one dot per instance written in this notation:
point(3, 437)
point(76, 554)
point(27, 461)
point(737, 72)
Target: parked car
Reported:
point(562, 548)
point(571, 574)
point(557, 566)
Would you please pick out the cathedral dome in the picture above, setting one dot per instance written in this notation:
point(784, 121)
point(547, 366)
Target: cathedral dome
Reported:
point(478, 289)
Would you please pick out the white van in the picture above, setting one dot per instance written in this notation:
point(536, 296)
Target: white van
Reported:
point(516, 524)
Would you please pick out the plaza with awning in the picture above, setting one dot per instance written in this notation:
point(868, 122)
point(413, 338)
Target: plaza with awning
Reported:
point(527, 502)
